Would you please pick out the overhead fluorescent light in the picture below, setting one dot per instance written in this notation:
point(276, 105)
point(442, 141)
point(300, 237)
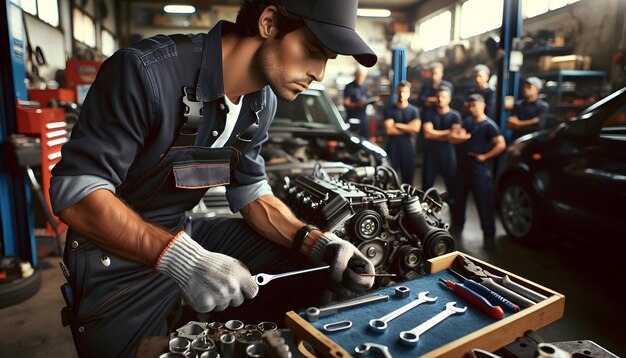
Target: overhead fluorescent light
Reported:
point(179, 9)
point(373, 12)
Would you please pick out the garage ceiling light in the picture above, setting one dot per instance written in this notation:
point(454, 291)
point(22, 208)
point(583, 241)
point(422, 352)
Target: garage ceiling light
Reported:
point(373, 12)
point(179, 9)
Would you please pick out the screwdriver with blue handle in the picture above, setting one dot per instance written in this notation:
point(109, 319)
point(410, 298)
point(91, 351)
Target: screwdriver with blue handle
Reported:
point(475, 299)
point(490, 295)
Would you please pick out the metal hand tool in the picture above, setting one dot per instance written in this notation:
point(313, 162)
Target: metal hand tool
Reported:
point(411, 337)
point(362, 349)
point(379, 274)
point(496, 283)
point(379, 325)
point(475, 299)
point(516, 287)
point(263, 278)
point(490, 295)
point(314, 313)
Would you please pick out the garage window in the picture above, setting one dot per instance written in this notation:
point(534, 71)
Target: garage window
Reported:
point(84, 28)
point(480, 16)
point(45, 10)
point(108, 43)
point(538, 7)
point(435, 32)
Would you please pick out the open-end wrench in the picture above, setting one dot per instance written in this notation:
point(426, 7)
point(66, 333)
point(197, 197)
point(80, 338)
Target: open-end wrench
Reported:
point(263, 278)
point(411, 337)
point(380, 324)
point(362, 349)
point(314, 313)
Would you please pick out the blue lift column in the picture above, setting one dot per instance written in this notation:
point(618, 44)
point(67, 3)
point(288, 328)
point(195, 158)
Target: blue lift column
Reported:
point(398, 63)
point(16, 212)
point(508, 80)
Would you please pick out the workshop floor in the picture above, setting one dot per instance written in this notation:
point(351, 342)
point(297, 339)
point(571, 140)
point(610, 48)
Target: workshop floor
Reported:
point(592, 310)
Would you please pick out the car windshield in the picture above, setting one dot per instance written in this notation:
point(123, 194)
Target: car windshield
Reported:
point(601, 103)
point(310, 107)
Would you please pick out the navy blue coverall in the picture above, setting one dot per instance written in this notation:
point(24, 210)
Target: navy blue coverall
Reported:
point(475, 176)
point(440, 156)
point(526, 110)
point(401, 148)
point(126, 141)
point(357, 93)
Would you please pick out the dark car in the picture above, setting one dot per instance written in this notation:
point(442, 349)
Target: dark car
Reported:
point(569, 180)
point(310, 130)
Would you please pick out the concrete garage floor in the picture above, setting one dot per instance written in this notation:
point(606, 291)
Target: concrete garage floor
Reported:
point(593, 310)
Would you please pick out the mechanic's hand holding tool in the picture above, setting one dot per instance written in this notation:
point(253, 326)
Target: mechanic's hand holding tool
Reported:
point(347, 264)
point(209, 281)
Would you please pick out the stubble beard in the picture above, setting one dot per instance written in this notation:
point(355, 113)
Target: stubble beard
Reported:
point(273, 74)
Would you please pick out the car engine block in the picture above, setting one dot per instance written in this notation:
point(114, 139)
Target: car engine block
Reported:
point(396, 226)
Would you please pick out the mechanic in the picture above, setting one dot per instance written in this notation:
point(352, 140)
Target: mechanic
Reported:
point(529, 114)
point(402, 122)
point(482, 87)
point(428, 98)
point(356, 96)
point(439, 154)
point(133, 168)
point(477, 140)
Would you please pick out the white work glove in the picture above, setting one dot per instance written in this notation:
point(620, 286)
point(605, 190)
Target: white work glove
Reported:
point(346, 262)
point(209, 281)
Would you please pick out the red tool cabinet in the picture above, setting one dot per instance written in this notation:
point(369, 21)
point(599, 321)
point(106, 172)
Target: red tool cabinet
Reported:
point(50, 126)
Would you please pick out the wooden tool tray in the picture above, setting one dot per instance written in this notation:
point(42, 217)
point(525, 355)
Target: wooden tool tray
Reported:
point(454, 337)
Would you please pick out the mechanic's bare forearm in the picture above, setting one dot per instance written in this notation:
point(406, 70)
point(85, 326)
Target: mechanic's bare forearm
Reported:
point(408, 128)
point(499, 147)
point(272, 219)
point(524, 123)
point(436, 134)
point(107, 222)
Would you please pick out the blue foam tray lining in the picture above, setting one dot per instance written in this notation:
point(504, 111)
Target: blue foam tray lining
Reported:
point(450, 329)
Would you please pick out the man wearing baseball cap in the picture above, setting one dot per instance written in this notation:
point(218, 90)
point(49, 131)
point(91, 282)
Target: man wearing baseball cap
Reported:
point(529, 114)
point(166, 119)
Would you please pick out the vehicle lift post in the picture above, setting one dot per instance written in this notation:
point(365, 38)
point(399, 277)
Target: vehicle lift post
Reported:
point(508, 75)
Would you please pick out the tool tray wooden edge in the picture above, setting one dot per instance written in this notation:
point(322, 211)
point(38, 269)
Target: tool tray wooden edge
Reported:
point(490, 338)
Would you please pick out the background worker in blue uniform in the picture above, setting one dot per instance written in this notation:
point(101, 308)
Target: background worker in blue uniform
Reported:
point(478, 141)
point(133, 168)
point(439, 154)
point(402, 122)
point(529, 114)
point(356, 98)
point(482, 87)
point(428, 97)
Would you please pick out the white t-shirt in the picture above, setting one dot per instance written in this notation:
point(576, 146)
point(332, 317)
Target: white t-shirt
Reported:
point(231, 120)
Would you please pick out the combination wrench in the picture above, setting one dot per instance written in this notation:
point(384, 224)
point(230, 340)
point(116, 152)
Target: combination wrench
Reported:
point(263, 278)
point(314, 313)
point(379, 325)
point(411, 337)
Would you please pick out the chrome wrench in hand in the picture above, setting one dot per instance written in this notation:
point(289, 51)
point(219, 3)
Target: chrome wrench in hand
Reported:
point(380, 324)
point(263, 278)
point(411, 337)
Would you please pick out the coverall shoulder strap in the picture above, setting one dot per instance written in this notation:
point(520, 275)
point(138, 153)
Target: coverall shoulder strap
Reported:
point(188, 72)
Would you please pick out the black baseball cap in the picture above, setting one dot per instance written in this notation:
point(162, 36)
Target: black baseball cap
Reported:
point(333, 23)
point(475, 98)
